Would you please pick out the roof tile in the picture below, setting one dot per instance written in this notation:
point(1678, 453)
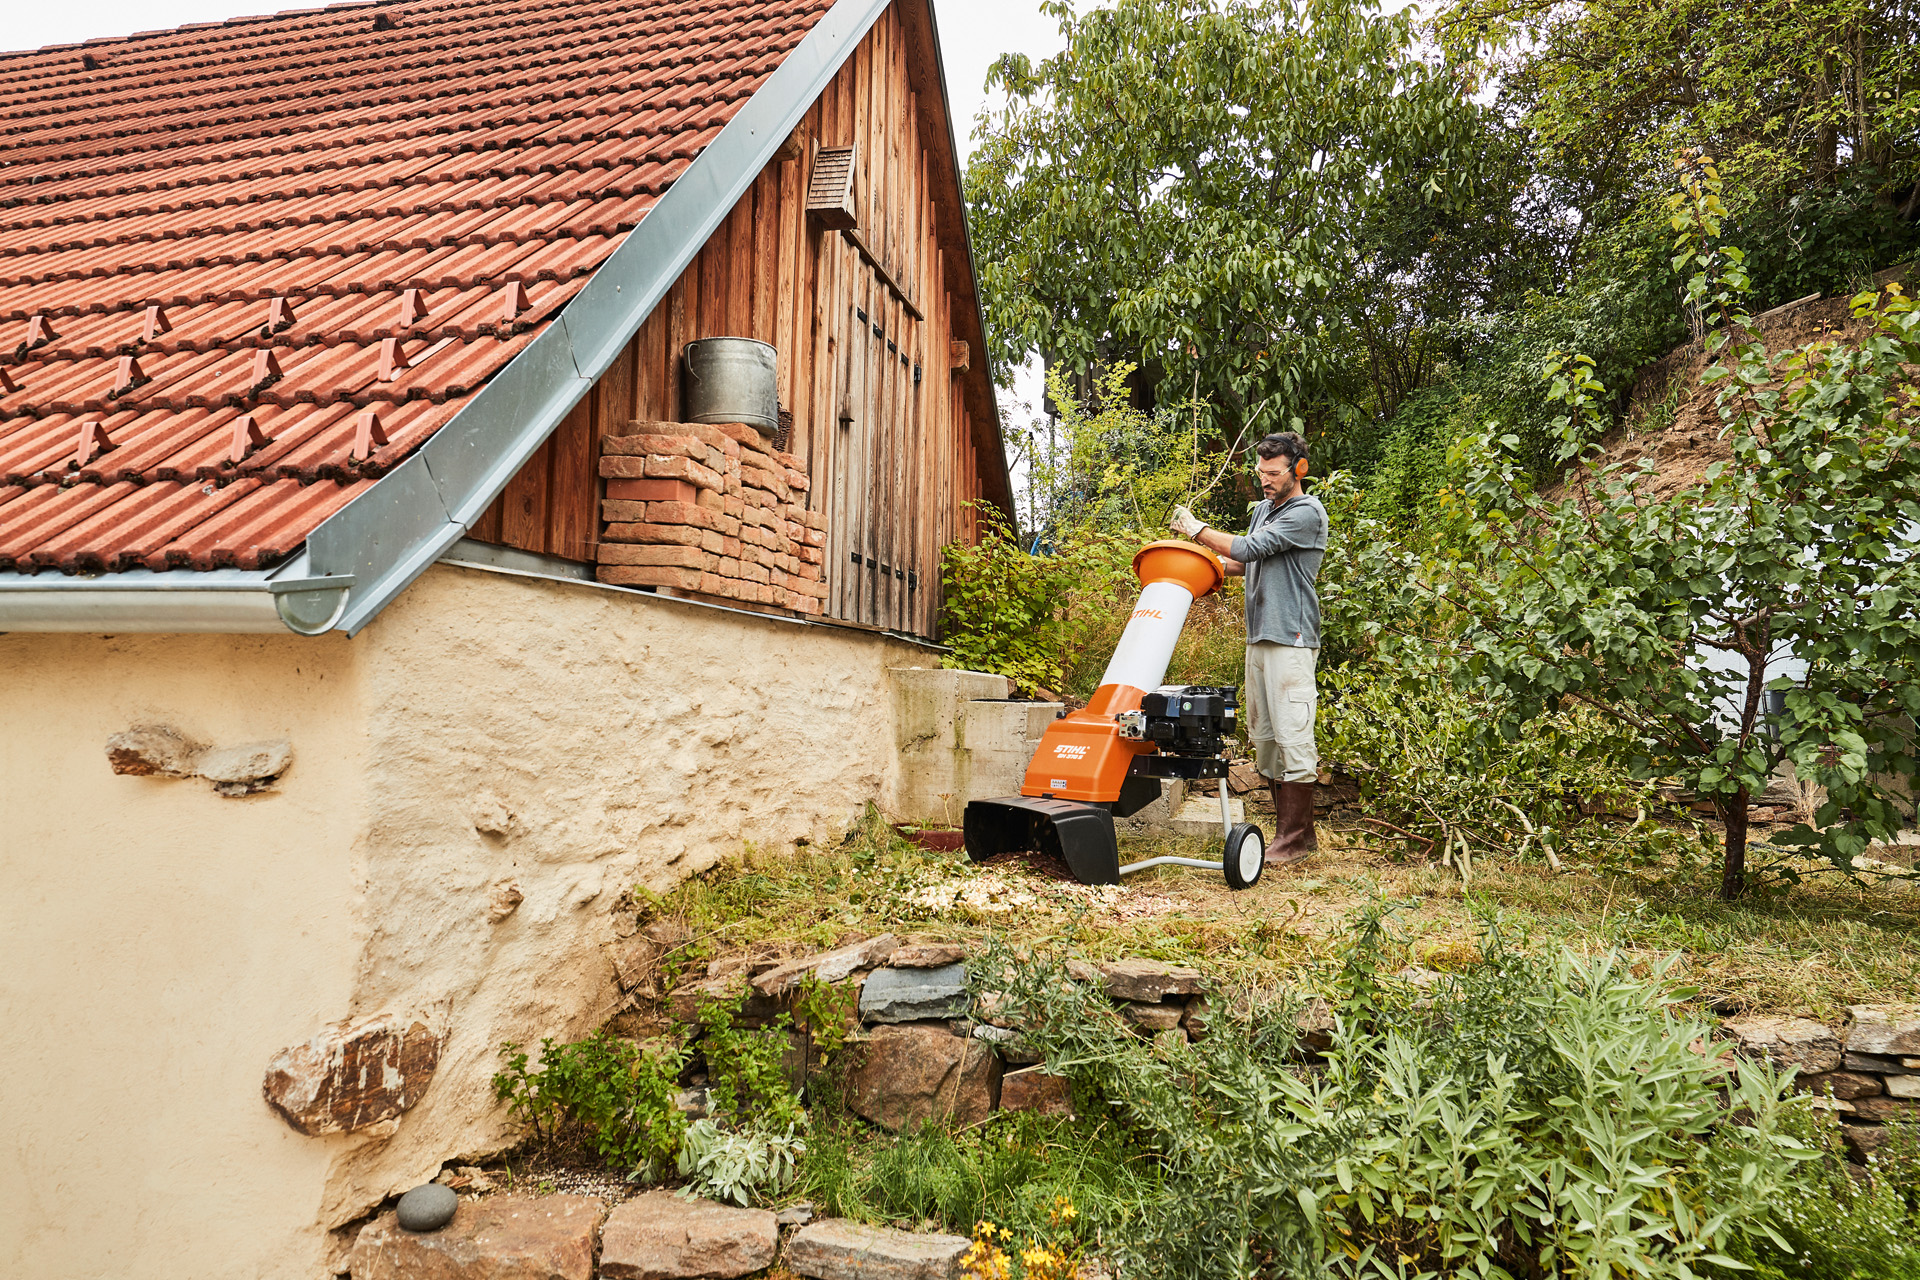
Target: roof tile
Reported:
point(460, 178)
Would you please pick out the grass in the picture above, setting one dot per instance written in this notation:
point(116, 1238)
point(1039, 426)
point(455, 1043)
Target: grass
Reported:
point(1811, 948)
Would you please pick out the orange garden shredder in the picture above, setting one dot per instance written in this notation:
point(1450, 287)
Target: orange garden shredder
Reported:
point(1108, 759)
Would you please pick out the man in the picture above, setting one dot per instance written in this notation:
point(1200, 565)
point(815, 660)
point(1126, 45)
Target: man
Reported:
point(1280, 556)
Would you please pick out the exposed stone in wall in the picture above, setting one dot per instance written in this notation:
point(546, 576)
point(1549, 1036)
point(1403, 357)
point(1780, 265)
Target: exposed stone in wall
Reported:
point(158, 750)
point(491, 1238)
point(838, 1250)
point(664, 1236)
point(353, 1075)
point(910, 1074)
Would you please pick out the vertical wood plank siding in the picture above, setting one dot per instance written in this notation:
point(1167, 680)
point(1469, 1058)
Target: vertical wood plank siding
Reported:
point(880, 421)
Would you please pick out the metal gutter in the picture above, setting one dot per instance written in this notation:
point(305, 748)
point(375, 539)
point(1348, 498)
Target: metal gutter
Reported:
point(379, 543)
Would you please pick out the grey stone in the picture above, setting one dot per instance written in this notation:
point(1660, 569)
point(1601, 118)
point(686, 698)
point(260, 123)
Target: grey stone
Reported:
point(1152, 1017)
point(1878, 1064)
point(1903, 1086)
point(995, 1035)
point(914, 995)
point(907, 1075)
point(1879, 1031)
point(835, 1249)
point(663, 1236)
point(1788, 1042)
point(150, 750)
point(827, 966)
point(427, 1208)
point(1034, 1089)
point(798, 1214)
point(928, 955)
point(491, 1238)
point(1149, 980)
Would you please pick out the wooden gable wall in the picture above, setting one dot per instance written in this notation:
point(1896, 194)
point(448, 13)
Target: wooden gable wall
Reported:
point(876, 327)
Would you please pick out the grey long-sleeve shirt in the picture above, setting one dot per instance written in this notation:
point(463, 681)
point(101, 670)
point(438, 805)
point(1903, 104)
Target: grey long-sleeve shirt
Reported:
point(1282, 551)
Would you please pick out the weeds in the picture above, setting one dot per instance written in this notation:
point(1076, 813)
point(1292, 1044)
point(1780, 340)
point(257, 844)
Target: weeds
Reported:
point(615, 1095)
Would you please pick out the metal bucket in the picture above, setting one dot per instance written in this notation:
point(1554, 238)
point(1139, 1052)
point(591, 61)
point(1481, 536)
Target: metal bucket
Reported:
point(732, 380)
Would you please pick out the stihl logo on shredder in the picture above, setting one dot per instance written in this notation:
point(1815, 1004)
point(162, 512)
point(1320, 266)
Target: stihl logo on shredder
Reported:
point(1070, 751)
point(1148, 613)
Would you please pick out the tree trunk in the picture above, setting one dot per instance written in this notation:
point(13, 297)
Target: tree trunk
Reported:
point(1733, 872)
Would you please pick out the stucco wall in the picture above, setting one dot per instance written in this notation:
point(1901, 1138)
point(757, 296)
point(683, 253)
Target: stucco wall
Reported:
point(487, 730)
point(158, 943)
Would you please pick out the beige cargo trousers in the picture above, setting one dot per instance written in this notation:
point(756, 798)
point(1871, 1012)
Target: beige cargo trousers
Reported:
point(1281, 700)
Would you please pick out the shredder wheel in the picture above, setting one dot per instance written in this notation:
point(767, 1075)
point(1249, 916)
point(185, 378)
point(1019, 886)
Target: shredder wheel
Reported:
point(1243, 857)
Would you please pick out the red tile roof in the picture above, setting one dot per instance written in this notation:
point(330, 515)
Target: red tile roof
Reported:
point(223, 247)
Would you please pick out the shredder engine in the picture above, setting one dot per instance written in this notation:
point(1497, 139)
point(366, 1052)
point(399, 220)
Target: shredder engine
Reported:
point(1107, 760)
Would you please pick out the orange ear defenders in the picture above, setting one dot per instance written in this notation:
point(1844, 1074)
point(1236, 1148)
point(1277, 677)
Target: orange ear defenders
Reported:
point(1300, 468)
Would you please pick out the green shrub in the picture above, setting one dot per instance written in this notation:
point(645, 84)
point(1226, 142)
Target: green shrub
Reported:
point(617, 1095)
point(1843, 1227)
point(743, 1165)
point(746, 1074)
point(1538, 1116)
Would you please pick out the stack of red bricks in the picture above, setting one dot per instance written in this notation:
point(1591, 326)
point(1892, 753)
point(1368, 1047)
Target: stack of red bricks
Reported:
point(710, 510)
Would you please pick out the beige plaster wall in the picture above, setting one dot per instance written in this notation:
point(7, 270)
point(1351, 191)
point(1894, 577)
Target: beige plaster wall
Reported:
point(573, 741)
point(159, 944)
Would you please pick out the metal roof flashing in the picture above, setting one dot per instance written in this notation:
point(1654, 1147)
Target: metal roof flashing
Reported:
point(364, 555)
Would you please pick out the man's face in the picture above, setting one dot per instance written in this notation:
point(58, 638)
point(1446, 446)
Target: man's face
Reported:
point(1276, 477)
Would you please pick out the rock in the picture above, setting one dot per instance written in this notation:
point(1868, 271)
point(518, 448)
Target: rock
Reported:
point(1846, 1085)
point(911, 995)
point(1194, 1020)
point(827, 966)
point(495, 1238)
point(663, 1236)
point(1862, 1140)
point(1152, 1017)
point(1884, 1109)
point(353, 1074)
point(249, 767)
point(1838, 1106)
point(1879, 1064)
point(798, 1214)
point(1877, 1031)
point(928, 955)
point(1903, 1086)
point(1315, 1021)
point(911, 1074)
point(994, 1007)
point(1081, 971)
point(151, 750)
point(687, 1001)
point(1034, 1089)
point(835, 1249)
point(1148, 980)
point(1788, 1042)
point(427, 1208)
point(994, 1035)
point(503, 899)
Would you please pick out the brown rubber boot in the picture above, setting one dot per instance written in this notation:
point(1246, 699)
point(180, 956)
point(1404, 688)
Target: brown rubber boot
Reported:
point(1293, 837)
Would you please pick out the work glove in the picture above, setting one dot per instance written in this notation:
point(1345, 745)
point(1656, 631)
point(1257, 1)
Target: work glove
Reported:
point(1185, 524)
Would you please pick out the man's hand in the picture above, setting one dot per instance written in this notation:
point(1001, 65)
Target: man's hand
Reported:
point(1233, 567)
point(1185, 524)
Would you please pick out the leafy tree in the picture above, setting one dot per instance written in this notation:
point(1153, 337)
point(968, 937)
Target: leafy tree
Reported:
point(1243, 197)
point(1801, 544)
point(1811, 105)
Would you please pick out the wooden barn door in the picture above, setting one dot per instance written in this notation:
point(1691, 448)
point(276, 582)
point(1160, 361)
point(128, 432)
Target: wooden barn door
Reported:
point(883, 574)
